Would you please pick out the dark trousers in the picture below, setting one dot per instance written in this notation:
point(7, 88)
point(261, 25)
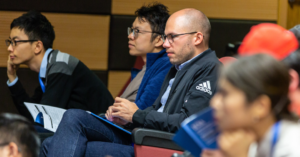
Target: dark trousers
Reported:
point(81, 134)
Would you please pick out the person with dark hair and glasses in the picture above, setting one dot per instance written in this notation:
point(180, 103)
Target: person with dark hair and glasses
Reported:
point(145, 40)
point(18, 137)
point(65, 81)
point(181, 95)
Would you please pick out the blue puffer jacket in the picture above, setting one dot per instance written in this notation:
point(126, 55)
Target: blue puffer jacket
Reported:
point(157, 67)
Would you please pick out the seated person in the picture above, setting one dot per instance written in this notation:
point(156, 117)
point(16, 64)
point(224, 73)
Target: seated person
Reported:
point(145, 41)
point(252, 105)
point(18, 137)
point(65, 81)
point(187, 89)
point(277, 42)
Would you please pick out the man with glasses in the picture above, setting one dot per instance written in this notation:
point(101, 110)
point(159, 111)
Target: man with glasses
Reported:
point(18, 137)
point(187, 89)
point(65, 81)
point(145, 40)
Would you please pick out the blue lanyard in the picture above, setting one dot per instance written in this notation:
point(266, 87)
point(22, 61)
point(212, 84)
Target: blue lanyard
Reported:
point(275, 130)
point(42, 84)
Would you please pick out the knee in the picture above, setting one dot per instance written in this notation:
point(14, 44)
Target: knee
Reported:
point(73, 118)
point(73, 115)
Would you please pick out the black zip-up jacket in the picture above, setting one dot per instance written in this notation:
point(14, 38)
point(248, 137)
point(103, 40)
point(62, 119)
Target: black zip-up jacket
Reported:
point(190, 93)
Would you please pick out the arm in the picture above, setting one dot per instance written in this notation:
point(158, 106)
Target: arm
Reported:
point(152, 88)
point(20, 96)
point(18, 93)
point(196, 100)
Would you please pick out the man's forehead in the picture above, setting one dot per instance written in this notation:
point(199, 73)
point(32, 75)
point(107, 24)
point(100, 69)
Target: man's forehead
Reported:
point(141, 23)
point(17, 33)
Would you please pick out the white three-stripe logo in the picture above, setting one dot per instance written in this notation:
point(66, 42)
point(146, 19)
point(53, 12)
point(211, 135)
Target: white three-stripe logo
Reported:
point(205, 87)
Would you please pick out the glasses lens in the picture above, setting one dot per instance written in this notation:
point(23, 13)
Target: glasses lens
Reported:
point(163, 38)
point(128, 30)
point(7, 42)
point(170, 38)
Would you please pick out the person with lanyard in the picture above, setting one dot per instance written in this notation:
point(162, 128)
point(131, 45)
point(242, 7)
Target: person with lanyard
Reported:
point(251, 105)
point(276, 41)
point(65, 81)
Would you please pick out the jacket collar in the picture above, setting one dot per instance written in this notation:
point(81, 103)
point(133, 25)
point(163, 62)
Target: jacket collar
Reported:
point(204, 54)
point(152, 57)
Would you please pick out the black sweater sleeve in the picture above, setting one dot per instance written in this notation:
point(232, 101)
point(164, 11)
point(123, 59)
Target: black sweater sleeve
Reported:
point(20, 96)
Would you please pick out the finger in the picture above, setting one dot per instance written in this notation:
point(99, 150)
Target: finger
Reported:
point(115, 114)
point(118, 99)
point(117, 104)
point(115, 109)
point(108, 114)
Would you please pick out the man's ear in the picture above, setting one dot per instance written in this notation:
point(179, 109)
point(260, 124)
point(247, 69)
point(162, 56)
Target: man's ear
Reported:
point(158, 42)
point(38, 47)
point(294, 82)
point(12, 150)
point(198, 38)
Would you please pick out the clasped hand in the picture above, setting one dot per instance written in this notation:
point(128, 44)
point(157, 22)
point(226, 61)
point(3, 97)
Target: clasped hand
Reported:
point(121, 112)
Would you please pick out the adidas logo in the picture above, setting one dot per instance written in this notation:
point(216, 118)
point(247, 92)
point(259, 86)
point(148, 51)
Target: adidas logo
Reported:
point(205, 87)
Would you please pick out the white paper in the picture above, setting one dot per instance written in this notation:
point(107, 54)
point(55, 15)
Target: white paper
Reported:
point(51, 115)
point(32, 109)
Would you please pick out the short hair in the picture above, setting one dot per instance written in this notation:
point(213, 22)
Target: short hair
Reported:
point(293, 62)
point(36, 26)
point(261, 74)
point(156, 14)
point(17, 129)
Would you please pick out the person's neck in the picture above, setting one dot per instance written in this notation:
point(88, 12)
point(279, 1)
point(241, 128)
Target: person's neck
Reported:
point(36, 61)
point(263, 126)
point(199, 51)
point(155, 50)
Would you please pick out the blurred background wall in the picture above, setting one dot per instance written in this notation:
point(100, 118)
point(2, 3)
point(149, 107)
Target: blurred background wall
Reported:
point(94, 31)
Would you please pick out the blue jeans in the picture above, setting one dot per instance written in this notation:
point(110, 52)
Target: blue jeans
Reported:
point(81, 134)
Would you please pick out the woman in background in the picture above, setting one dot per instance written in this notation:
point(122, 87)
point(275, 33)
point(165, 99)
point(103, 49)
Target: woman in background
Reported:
point(252, 106)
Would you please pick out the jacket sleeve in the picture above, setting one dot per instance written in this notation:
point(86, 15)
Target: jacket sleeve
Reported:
point(59, 86)
point(152, 89)
point(194, 101)
point(20, 96)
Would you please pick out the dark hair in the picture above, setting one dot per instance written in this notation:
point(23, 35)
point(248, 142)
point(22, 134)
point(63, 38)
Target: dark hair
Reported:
point(293, 62)
point(17, 129)
point(156, 14)
point(258, 75)
point(36, 27)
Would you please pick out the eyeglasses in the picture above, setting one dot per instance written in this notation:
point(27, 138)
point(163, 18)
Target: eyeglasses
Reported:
point(135, 32)
point(14, 42)
point(171, 37)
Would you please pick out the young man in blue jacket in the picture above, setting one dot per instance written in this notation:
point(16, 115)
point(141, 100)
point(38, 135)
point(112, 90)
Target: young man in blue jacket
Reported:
point(187, 89)
point(145, 41)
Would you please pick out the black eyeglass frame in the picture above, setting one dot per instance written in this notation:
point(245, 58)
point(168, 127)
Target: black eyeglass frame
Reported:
point(135, 32)
point(14, 42)
point(164, 37)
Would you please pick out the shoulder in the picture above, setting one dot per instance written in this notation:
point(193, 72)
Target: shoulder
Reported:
point(289, 140)
point(60, 62)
